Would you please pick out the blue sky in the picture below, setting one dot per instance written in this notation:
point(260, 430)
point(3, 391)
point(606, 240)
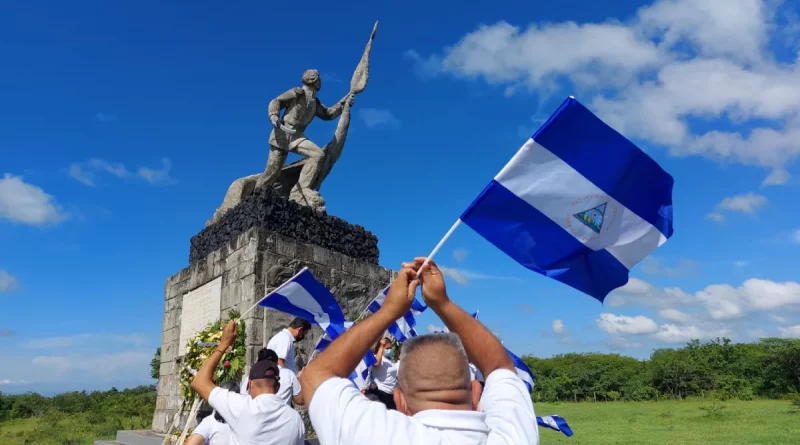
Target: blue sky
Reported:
point(123, 125)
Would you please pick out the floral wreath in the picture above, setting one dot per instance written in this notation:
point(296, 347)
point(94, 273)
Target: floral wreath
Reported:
point(199, 348)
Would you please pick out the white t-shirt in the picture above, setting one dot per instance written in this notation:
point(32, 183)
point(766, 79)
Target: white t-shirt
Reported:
point(264, 420)
point(341, 415)
point(290, 385)
point(385, 376)
point(283, 345)
point(212, 431)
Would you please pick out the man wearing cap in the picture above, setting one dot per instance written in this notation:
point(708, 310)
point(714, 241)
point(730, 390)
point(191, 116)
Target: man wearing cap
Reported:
point(258, 418)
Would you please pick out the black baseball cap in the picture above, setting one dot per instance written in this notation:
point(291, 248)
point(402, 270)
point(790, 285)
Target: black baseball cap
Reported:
point(265, 369)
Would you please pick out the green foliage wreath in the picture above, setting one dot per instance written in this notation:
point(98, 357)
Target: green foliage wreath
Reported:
point(200, 347)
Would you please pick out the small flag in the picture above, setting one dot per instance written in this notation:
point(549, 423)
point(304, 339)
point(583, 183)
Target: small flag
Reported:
point(403, 328)
point(326, 340)
point(578, 203)
point(555, 423)
point(361, 373)
point(303, 296)
point(523, 372)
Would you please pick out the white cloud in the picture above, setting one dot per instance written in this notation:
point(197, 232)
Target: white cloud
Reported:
point(638, 291)
point(26, 203)
point(747, 203)
point(463, 277)
point(622, 324)
point(460, 254)
point(778, 319)
point(675, 316)
point(790, 332)
point(654, 266)
point(102, 366)
point(558, 327)
point(79, 174)
point(741, 263)
point(115, 168)
point(8, 282)
point(795, 237)
point(724, 302)
point(670, 333)
point(68, 341)
point(432, 328)
point(617, 342)
point(12, 382)
point(105, 117)
point(376, 117)
point(675, 62)
point(716, 217)
point(154, 176)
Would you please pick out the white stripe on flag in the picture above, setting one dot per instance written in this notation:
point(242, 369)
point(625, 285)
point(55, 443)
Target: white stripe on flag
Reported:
point(546, 182)
point(298, 296)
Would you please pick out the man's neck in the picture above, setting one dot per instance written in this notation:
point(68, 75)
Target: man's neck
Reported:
point(256, 392)
point(293, 332)
point(311, 93)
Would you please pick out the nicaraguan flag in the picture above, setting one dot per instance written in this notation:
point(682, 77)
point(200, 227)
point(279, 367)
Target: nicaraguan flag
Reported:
point(403, 328)
point(578, 203)
point(523, 372)
point(326, 340)
point(555, 423)
point(305, 297)
point(361, 373)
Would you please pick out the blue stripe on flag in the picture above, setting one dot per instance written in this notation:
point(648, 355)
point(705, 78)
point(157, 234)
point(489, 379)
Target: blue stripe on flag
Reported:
point(523, 371)
point(305, 297)
point(537, 243)
point(610, 161)
point(555, 423)
point(403, 328)
point(360, 374)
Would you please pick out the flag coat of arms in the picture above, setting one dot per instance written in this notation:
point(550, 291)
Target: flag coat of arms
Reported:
point(578, 203)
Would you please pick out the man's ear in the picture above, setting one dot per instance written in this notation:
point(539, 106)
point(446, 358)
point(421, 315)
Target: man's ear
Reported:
point(400, 401)
point(476, 395)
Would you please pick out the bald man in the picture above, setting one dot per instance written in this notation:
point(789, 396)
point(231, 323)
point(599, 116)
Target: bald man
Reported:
point(437, 401)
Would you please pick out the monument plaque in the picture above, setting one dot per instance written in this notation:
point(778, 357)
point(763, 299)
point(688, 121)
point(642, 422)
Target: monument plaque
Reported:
point(200, 308)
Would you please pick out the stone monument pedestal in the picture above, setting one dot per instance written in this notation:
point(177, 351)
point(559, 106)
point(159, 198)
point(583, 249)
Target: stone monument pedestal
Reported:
point(253, 248)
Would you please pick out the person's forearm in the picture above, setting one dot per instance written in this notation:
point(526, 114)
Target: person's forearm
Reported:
point(203, 381)
point(378, 356)
point(483, 348)
point(344, 353)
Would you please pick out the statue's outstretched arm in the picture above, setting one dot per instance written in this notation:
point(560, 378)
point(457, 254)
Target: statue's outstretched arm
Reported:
point(329, 113)
point(281, 102)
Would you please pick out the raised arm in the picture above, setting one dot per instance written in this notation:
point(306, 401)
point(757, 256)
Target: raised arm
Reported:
point(483, 348)
point(330, 113)
point(342, 356)
point(203, 382)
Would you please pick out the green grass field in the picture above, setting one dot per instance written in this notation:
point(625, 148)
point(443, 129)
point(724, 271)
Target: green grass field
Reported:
point(59, 429)
point(769, 422)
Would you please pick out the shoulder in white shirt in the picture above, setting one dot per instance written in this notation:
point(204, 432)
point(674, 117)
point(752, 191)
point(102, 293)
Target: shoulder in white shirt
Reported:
point(263, 420)
point(290, 385)
point(283, 345)
point(341, 415)
point(212, 431)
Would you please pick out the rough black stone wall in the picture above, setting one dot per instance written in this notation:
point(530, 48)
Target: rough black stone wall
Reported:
point(265, 209)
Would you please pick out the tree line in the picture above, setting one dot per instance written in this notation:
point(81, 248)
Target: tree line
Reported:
point(719, 368)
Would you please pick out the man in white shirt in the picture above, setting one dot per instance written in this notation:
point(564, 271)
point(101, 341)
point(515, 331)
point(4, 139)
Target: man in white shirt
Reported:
point(258, 418)
point(290, 390)
point(283, 342)
point(436, 403)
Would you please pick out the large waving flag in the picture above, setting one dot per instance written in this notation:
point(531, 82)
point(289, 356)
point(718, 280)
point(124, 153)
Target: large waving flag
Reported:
point(305, 297)
point(555, 423)
point(523, 372)
point(403, 328)
point(578, 203)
